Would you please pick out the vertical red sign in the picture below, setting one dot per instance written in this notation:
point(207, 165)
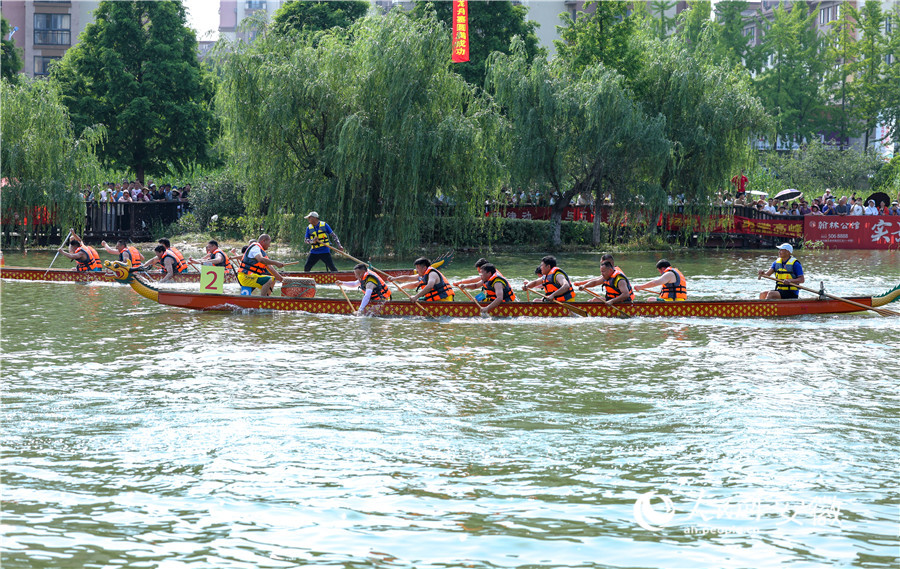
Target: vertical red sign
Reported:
point(460, 31)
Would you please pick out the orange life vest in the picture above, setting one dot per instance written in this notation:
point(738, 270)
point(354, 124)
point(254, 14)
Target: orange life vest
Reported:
point(135, 257)
point(674, 292)
point(226, 264)
point(550, 286)
point(611, 285)
point(508, 294)
point(180, 265)
point(440, 291)
point(93, 261)
point(380, 292)
point(249, 265)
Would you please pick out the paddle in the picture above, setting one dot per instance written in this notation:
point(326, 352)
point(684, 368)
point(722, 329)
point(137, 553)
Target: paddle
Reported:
point(347, 298)
point(879, 311)
point(622, 313)
point(384, 274)
point(58, 251)
point(472, 298)
point(574, 309)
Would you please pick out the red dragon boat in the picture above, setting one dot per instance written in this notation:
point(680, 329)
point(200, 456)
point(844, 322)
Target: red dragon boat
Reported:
point(703, 309)
point(69, 275)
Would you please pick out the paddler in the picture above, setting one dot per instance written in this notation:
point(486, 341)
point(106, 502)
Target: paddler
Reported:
point(430, 283)
point(180, 264)
point(476, 280)
point(215, 257)
point(788, 271)
point(85, 256)
point(319, 236)
point(256, 270)
point(674, 285)
point(371, 284)
point(615, 284)
point(169, 263)
point(496, 288)
point(557, 284)
point(127, 253)
point(606, 258)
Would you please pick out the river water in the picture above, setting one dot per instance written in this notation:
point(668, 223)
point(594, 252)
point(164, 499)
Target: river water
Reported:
point(138, 435)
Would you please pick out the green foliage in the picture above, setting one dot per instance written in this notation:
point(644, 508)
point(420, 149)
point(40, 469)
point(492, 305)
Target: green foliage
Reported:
point(44, 161)
point(729, 44)
point(11, 60)
point(887, 179)
point(790, 64)
point(841, 51)
point(492, 25)
point(574, 134)
point(816, 167)
point(891, 110)
point(661, 23)
point(600, 34)
point(710, 116)
point(366, 128)
point(694, 21)
point(477, 231)
point(317, 15)
point(874, 86)
point(135, 70)
point(219, 196)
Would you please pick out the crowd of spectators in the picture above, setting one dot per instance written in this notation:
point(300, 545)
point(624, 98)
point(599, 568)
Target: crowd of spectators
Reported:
point(827, 204)
point(133, 191)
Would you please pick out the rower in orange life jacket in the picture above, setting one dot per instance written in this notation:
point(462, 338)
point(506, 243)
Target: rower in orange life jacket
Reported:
point(175, 253)
point(371, 284)
point(127, 254)
point(615, 285)
point(85, 256)
point(432, 287)
point(674, 285)
point(169, 262)
point(557, 284)
point(217, 258)
point(496, 288)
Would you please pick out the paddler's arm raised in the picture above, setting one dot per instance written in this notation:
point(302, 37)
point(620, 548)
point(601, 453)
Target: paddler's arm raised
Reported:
point(590, 283)
point(531, 284)
point(108, 249)
point(664, 279)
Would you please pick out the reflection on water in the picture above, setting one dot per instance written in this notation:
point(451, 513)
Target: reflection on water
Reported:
point(140, 435)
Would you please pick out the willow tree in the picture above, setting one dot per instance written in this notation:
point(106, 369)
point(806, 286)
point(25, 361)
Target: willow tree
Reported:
point(575, 134)
point(710, 117)
point(42, 159)
point(367, 127)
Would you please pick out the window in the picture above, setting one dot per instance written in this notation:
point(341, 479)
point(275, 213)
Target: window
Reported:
point(837, 12)
point(887, 25)
point(42, 65)
point(52, 29)
point(824, 16)
point(750, 33)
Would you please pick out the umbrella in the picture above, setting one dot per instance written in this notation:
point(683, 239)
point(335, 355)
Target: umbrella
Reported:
point(757, 193)
point(789, 194)
point(879, 197)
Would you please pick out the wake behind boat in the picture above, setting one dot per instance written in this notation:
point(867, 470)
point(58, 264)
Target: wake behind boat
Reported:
point(701, 309)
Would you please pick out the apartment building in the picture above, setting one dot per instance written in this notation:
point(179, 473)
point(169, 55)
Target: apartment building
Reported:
point(46, 29)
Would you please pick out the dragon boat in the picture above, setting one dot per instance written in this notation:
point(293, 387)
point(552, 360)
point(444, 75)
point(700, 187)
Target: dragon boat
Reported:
point(69, 275)
point(703, 309)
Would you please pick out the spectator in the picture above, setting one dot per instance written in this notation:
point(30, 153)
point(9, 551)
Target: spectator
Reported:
point(156, 194)
point(871, 209)
point(781, 210)
point(143, 196)
point(828, 208)
point(814, 210)
point(804, 208)
point(185, 192)
point(895, 209)
point(856, 208)
point(827, 196)
point(842, 208)
point(126, 197)
point(795, 209)
point(770, 207)
point(883, 209)
point(740, 183)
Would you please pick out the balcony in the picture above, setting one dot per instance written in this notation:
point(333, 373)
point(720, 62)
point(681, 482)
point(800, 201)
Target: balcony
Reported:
point(52, 37)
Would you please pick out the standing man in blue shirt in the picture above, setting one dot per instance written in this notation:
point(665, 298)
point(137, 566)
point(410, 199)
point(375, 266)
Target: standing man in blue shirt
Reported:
point(319, 235)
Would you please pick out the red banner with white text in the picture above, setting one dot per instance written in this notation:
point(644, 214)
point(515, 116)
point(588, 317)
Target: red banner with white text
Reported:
point(858, 232)
point(460, 31)
point(784, 228)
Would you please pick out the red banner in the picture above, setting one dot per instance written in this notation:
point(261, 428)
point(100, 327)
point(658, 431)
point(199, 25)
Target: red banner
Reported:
point(460, 31)
point(572, 213)
point(785, 228)
point(858, 232)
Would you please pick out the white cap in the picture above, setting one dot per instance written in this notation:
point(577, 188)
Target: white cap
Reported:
point(312, 214)
point(787, 247)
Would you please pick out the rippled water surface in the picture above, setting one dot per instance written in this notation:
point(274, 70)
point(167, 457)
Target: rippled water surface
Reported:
point(137, 435)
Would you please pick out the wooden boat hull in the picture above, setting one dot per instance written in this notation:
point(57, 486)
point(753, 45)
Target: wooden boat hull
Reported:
point(701, 309)
point(69, 275)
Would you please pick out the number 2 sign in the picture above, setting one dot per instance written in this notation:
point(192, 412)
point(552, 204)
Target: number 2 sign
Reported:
point(211, 279)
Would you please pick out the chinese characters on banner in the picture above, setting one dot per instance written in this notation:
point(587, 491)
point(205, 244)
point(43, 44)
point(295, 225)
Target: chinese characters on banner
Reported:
point(460, 31)
point(866, 232)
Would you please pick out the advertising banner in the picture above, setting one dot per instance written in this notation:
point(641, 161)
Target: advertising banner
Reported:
point(460, 31)
point(858, 232)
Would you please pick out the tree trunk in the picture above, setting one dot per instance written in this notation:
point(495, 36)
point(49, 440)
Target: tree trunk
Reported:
point(556, 226)
point(595, 234)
